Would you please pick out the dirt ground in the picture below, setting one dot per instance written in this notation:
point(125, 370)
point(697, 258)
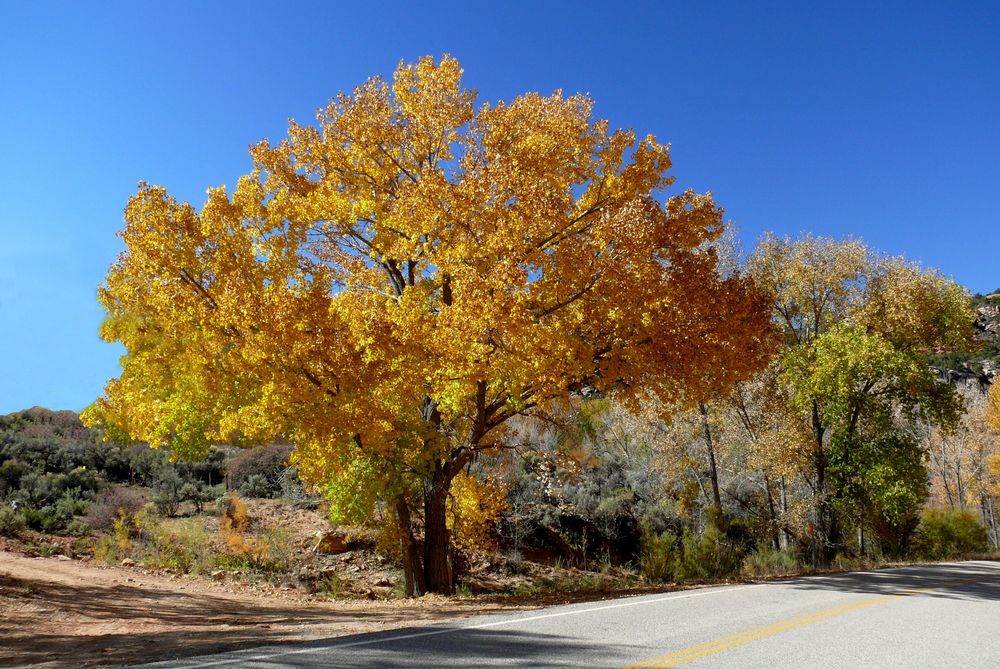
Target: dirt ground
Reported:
point(57, 612)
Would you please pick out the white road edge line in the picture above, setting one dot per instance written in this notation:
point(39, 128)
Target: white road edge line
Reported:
point(451, 630)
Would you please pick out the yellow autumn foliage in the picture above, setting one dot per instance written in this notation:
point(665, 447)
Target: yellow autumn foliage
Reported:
point(474, 508)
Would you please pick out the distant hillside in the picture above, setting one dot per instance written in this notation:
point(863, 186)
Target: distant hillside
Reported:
point(42, 423)
point(982, 365)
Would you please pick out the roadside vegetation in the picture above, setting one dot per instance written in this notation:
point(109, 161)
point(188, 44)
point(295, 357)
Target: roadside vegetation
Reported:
point(589, 505)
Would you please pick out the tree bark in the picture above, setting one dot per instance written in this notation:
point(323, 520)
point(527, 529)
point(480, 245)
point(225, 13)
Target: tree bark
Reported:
point(772, 514)
point(437, 562)
point(713, 469)
point(827, 528)
point(783, 537)
point(413, 571)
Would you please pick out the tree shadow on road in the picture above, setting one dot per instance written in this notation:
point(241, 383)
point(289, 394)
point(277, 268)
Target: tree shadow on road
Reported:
point(966, 580)
point(438, 646)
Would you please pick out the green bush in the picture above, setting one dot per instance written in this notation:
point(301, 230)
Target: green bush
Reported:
point(257, 486)
point(11, 522)
point(182, 546)
point(945, 533)
point(766, 561)
point(78, 528)
point(657, 554)
point(200, 494)
point(46, 519)
point(167, 492)
point(73, 502)
point(708, 556)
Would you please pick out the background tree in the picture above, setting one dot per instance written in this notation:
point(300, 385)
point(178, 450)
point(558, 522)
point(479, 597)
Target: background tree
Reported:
point(993, 408)
point(959, 461)
point(858, 328)
point(388, 288)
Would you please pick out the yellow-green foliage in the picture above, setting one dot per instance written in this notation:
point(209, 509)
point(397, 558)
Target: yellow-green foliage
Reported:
point(182, 545)
point(945, 533)
point(475, 507)
point(118, 544)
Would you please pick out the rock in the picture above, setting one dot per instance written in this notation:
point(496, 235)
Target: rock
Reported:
point(128, 562)
point(331, 542)
point(217, 575)
point(484, 585)
point(383, 583)
point(63, 557)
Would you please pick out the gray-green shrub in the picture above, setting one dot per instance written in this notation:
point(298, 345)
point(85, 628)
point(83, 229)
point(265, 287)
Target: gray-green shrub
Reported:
point(11, 522)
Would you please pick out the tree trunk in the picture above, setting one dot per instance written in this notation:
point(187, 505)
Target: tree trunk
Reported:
point(783, 537)
point(827, 528)
point(989, 517)
point(437, 544)
point(772, 515)
point(712, 468)
point(413, 571)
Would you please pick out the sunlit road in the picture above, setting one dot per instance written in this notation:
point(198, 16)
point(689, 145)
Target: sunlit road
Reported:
point(944, 615)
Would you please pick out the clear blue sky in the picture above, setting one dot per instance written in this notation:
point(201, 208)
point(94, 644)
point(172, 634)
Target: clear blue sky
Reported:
point(877, 120)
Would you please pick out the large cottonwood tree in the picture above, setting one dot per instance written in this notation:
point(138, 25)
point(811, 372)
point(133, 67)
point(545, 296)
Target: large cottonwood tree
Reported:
point(388, 287)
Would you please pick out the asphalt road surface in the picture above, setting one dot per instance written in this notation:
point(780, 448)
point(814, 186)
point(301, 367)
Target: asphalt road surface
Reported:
point(945, 615)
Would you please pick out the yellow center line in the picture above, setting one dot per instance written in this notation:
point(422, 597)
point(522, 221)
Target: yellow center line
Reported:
point(726, 642)
point(718, 645)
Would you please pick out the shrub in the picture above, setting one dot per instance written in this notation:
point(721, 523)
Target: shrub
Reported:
point(111, 504)
point(657, 555)
point(234, 528)
point(46, 519)
point(199, 494)
point(945, 533)
point(767, 561)
point(77, 528)
point(117, 544)
point(708, 556)
point(265, 463)
point(291, 484)
point(11, 522)
point(257, 485)
point(167, 492)
point(73, 502)
point(182, 546)
point(271, 549)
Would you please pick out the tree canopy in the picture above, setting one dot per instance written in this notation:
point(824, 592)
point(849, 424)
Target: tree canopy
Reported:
point(386, 288)
point(858, 329)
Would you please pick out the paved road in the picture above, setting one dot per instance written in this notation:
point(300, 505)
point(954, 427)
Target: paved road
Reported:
point(944, 615)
